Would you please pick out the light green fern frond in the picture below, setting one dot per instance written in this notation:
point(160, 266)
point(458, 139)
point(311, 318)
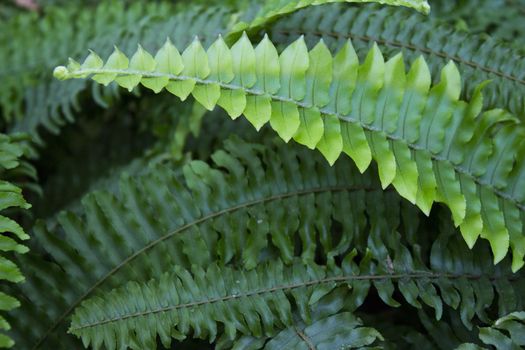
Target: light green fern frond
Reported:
point(430, 145)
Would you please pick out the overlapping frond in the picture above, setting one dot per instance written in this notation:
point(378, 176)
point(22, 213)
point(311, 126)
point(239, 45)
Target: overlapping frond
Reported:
point(478, 57)
point(31, 100)
point(260, 302)
point(430, 145)
point(156, 220)
point(10, 231)
point(250, 302)
point(325, 331)
point(270, 10)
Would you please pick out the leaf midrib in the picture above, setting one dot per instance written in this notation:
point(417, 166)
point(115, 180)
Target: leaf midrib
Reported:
point(333, 279)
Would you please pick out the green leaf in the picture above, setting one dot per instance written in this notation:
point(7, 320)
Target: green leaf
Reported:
point(426, 190)
point(116, 61)
point(140, 61)
point(244, 66)
point(195, 65)
point(285, 119)
point(386, 162)
point(311, 128)
point(258, 110)
point(267, 67)
point(294, 63)
point(168, 62)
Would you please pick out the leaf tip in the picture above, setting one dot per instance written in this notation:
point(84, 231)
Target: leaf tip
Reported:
point(61, 73)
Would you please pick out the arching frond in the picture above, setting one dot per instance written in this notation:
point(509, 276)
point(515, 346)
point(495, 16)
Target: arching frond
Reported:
point(429, 144)
point(338, 331)
point(156, 220)
point(202, 301)
point(10, 231)
point(478, 57)
point(271, 10)
point(507, 332)
point(501, 19)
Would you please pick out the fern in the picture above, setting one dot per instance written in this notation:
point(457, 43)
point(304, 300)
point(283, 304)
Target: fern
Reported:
point(10, 197)
point(506, 333)
point(200, 235)
point(203, 222)
point(478, 58)
point(32, 101)
point(204, 300)
point(271, 10)
point(339, 331)
point(144, 235)
point(199, 299)
point(368, 111)
point(329, 328)
point(500, 19)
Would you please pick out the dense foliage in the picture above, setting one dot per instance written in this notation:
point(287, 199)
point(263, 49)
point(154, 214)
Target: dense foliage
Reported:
point(157, 221)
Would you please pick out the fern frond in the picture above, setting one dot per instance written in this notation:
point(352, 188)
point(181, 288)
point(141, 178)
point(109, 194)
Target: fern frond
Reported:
point(158, 219)
point(282, 201)
point(429, 144)
point(506, 332)
point(478, 57)
point(271, 10)
point(250, 302)
point(501, 19)
point(11, 231)
point(201, 301)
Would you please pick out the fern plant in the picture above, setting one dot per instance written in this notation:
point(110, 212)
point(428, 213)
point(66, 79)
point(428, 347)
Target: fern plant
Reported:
point(375, 110)
point(161, 223)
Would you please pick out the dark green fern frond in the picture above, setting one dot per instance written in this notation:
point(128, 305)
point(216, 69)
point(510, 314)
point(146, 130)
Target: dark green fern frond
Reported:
point(202, 302)
point(478, 57)
point(341, 331)
point(429, 144)
point(249, 302)
point(155, 221)
point(31, 99)
point(507, 332)
point(501, 19)
point(10, 231)
point(270, 10)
